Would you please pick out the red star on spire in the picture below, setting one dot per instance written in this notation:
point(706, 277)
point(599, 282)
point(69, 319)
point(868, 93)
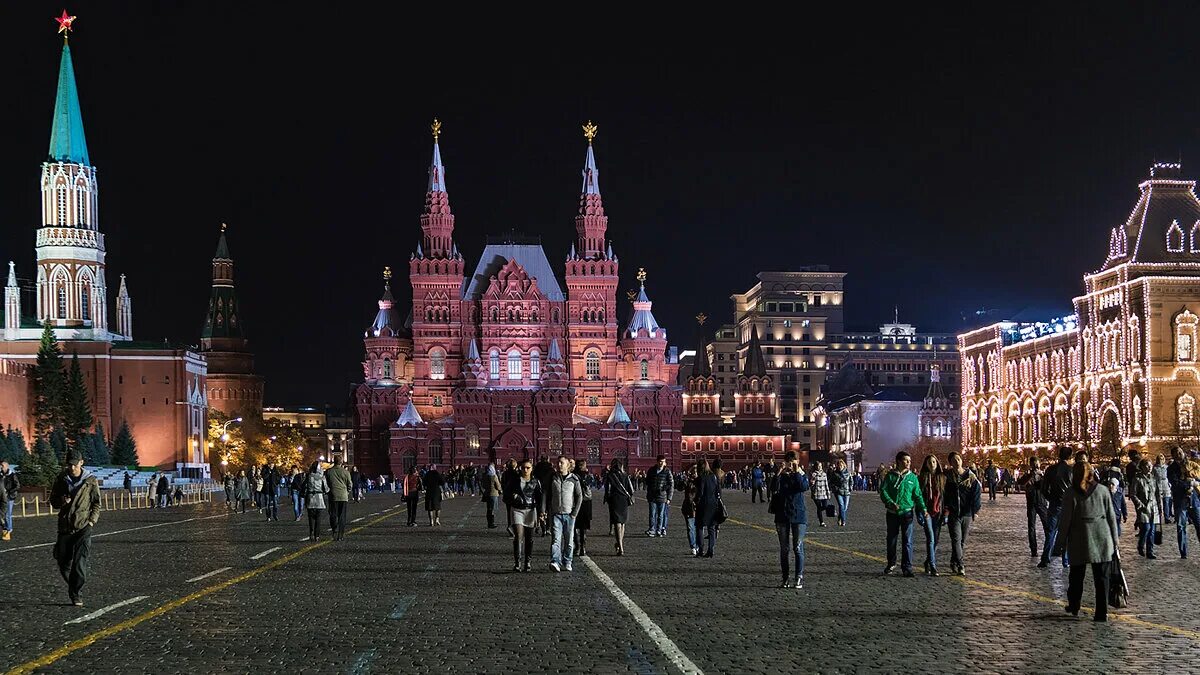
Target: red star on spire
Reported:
point(64, 22)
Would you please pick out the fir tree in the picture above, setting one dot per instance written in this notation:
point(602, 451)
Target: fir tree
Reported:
point(48, 385)
point(124, 448)
point(58, 445)
point(16, 445)
point(40, 467)
point(6, 452)
point(77, 412)
point(95, 448)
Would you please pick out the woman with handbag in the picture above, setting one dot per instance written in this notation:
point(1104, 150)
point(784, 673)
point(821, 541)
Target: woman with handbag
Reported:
point(1087, 531)
point(689, 509)
point(524, 499)
point(708, 507)
point(1146, 499)
point(618, 494)
point(820, 490)
point(933, 484)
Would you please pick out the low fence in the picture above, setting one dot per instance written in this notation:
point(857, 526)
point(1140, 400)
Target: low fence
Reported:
point(118, 500)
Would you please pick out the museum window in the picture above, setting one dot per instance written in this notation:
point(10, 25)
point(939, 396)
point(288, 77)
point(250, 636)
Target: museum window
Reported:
point(1185, 337)
point(435, 451)
point(437, 400)
point(494, 364)
point(593, 401)
point(593, 451)
point(741, 446)
point(508, 414)
point(514, 365)
point(645, 443)
point(1186, 412)
point(520, 414)
point(387, 368)
point(85, 307)
point(645, 370)
point(593, 365)
point(472, 437)
point(556, 437)
point(437, 364)
point(535, 365)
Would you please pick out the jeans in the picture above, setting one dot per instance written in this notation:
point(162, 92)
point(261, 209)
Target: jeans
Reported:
point(1146, 539)
point(271, 503)
point(690, 524)
point(1051, 522)
point(756, 494)
point(8, 515)
point(991, 490)
point(796, 532)
point(900, 525)
point(959, 526)
point(297, 505)
point(933, 533)
point(1167, 509)
point(492, 503)
point(1075, 587)
point(562, 529)
point(1032, 515)
point(843, 504)
point(1183, 513)
point(658, 517)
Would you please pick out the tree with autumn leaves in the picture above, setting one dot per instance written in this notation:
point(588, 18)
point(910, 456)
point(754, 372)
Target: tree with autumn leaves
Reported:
point(253, 442)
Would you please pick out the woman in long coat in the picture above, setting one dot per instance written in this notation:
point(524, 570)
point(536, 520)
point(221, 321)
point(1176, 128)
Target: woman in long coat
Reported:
point(618, 494)
point(433, 495)
point(1146, 499)
point(1088, 532)
point(708, 502)
point(315, 489)
point(241, 490)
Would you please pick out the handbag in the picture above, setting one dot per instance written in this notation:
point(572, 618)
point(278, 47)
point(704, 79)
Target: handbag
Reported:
point(1118, 588)
point(722, 511)
point(829, 511)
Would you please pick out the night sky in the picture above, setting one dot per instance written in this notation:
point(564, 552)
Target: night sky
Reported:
point(948, 161)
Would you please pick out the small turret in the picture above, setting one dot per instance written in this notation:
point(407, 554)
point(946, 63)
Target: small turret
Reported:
point(124, 311)
point(12, 305)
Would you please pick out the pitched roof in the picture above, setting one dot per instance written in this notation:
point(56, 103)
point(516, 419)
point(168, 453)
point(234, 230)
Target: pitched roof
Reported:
point(530, 256)
point(700, 366)
point(67, 142)
point(643, 318)
point(756, 365)
point(410, 416)
point(1167, 209)
point(222, 248)
point(618, 415)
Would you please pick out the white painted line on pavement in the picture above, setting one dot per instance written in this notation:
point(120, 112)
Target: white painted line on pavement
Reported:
point(303, 539)
point(205, 576)
point(109, 534)
point(362, 664)
point(267, 552)
point(105, 610)
point(664, 643)
point(358, 519)
point(403, 604)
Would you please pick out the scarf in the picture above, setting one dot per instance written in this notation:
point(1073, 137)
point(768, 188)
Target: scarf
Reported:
point(73, 484)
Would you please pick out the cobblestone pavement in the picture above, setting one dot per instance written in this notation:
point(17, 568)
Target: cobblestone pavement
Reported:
point(422, 600)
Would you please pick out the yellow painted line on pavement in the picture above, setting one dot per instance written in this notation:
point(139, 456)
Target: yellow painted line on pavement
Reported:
point(92, 638)
point(1125, 618)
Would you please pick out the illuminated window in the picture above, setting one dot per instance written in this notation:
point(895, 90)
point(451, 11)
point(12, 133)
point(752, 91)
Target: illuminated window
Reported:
point(593, 450)
point(85, 307)
point(387, 368)
point(437, 364)
point(645, 443)
point(1194, 238)
point(1185, 337)
point(593, 365)
point(472, 436)
point(593, 401)
point(62, 300)
point(1186, 412)
point(60, 194)
point(1174, 238)
point(725, 446)
point(514, 365)
point(535, 365)
point(437, 400)
point(645, 370)
point(754, 446)
point(494, 364)
point(697, 446)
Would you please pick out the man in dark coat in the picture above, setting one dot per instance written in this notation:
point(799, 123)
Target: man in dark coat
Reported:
point(164, 491)
point(339, 482)
point(270, 478)
point(76, 495)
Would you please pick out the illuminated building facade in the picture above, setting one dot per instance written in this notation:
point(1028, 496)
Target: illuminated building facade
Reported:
point(1122, 370)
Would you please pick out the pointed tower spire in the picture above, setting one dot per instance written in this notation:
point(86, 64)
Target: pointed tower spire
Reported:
point(124, 311)
point(701, 367)
point(12, 305)
point(223, 322)
point(387, 322)
point(591, 223)
point(437, 222)
point(555, 351)
point(756, 365)
point(643, 318)
point(67, 142)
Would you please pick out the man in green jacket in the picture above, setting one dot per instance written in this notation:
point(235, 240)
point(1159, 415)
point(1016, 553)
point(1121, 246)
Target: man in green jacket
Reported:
point(76, 495)
point(340, 485)
point(901, 494)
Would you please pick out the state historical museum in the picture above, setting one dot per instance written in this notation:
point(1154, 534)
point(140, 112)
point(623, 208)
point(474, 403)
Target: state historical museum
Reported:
point(513, 360)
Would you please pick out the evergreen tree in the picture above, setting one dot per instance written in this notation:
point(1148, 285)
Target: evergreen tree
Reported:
point(58, 445)
point(48, 385)
point(6, 452)
point(77, 412)
point(96, 450)
point(124, 448)
point(16, 445)
point(40, 467)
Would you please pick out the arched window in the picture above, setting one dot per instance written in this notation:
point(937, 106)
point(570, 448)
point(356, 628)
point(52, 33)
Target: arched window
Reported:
point(645, 370)
point(495, 314)
point(435, 451)
point(754, 446)
point(1174, 238)
point(535, 365)
point(770, 446)
point(1185, 337)
point(60, 195)
point(593, 450)
point(494, 364)
point(472, 437)
point(741, 446)
point(645, 443)
point(758, 406)
point(593, 365)
point(1194, 238)
point(712, 445)
point(387, 368)
point(508, 414)
point(437, 364)
point(1186, 412)
point(520, 414)
point(514, 365)
point(62, 300)
point(725, 446)
point(556, 437)
point(85, 305)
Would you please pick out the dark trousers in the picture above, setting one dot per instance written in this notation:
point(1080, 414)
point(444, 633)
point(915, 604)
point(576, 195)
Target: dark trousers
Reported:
point(1075, 587)
point(314, 523)
point(710, 533)
point(523, 535)
point(821, 504)
point(991, 490)
point(271, 504)
point(958, 527)
point(1032, 515)
point(492, 503)
point(71, 552)
point(411, 502)
point(339, 519)
point(756, 494)
point(900, 525)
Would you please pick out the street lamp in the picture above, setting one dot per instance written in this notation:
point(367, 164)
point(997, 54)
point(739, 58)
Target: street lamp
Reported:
point(225, 429)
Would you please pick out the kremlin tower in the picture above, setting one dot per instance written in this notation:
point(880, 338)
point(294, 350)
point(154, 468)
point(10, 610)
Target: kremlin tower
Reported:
point(233, 388)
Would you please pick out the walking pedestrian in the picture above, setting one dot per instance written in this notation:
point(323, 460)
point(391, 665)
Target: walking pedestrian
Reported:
point(491, 495)
point(1143, 490)
point(791, 519)
point(256, 481)
point(242, 489)
point(708, 503)
point(1055, 485)
point(1030, 483)
point(507, 477)
point(164, 491)
point(618, 494)
point(1164, 489)
point(933, 487)
point(757, 483)
point(841, 485)
point(270, 490)
point(901, 495)
point(230, 489)
point(963, 499)
point(338, 480)
point(434, 484)
point(523, 496)
point(411, 490)
point(296, 485)
point(76, 495)
point(152, 491)
point(660, 487)
point(1184, 497)
point(127, 484)
point(1088, 532)
point(356, 480)
point(820, 489)
point(314, 490)
point(992, 475)
point(583, 520)
point(10, 485)
point(563, 501)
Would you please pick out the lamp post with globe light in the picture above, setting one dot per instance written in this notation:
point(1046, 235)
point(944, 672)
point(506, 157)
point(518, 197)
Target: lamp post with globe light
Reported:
point(225, 441)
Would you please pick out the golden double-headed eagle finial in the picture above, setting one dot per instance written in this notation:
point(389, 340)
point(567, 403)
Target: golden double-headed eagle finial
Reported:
point(632, 295)
point(589, 131)
point(223, 226)
point(641, 275)
point(387, 273)
point(436, 128)
point(701, 318)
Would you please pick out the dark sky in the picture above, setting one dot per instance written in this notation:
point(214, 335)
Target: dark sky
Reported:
point(946, 160)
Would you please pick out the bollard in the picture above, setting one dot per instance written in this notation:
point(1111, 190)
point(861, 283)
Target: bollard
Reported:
point(37, 509)
point(23, 512)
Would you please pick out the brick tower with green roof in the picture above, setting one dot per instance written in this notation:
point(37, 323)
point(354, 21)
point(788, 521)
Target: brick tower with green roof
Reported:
point(233, 387)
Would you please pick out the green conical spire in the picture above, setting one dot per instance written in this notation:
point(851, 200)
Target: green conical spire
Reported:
point(67, 143)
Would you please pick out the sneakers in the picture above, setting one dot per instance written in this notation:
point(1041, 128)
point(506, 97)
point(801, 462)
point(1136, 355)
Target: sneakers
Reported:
point(889, 569)
point(799, 583)
point(7, 535)
point(568, 567)
point(1044, 564)
point(516, 567)
point(554, 566)
point(651, 533)
point(933, 572)
point(785, 584)
point(696, 552)
point(527, 567)
point(908, 573)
